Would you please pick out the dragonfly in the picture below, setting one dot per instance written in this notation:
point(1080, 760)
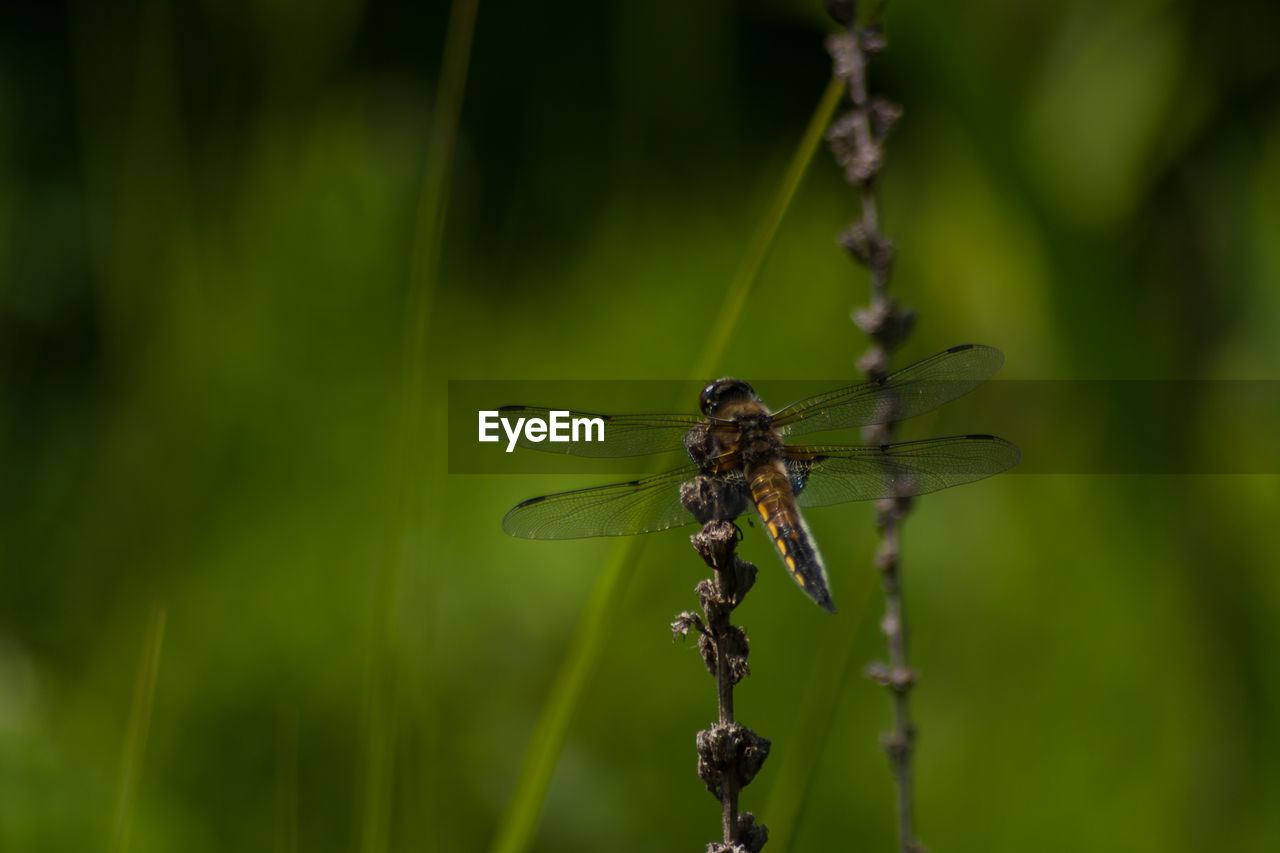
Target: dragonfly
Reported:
point(739, 454)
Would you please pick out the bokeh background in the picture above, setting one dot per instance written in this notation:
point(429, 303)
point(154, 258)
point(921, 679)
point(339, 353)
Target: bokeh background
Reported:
point(243, 605)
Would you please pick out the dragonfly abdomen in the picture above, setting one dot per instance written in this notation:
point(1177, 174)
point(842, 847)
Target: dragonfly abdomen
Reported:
point(774, 500)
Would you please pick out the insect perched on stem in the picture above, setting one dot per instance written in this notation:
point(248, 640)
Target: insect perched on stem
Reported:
point(739, 459)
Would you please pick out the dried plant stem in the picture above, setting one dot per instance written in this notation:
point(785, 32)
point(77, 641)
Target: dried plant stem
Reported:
point(720, 629)
point(856, 140)
point(729, 754)
point(898, 676)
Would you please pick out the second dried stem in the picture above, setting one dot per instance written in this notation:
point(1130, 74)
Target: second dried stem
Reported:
point(856, 140)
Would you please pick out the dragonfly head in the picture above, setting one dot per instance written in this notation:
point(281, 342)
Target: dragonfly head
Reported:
point(716, 395)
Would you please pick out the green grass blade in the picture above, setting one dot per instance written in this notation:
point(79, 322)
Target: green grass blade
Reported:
point(413, 468)
point(744, 278)
point(520, 821)
point(135, 742)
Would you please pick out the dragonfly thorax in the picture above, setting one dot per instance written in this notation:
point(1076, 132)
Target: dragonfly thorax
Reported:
point(758, 441)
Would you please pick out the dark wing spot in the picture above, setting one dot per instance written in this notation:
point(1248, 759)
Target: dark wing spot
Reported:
point(531, 502)
point(981, 437)
point(960, 348)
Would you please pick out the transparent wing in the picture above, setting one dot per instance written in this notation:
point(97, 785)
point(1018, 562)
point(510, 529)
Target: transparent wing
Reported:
point(624, 435)
point(836, 474)
point(640, 506)
point(911, 391)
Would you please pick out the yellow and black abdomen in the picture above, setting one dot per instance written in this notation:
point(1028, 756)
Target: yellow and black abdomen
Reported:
point(776, 503)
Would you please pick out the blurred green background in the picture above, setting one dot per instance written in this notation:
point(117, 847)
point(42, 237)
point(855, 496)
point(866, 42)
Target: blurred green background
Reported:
point(244, 607)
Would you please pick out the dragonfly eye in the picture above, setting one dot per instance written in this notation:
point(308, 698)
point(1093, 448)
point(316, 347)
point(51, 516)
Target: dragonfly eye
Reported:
point(724, 391)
